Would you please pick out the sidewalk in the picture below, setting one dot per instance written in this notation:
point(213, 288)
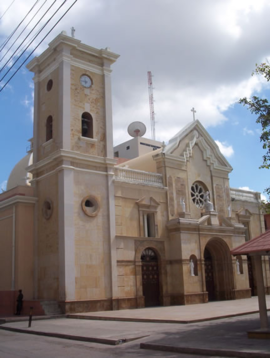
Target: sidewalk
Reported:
point(194, 329)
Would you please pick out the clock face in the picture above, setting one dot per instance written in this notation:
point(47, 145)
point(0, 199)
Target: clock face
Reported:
point(85, 81)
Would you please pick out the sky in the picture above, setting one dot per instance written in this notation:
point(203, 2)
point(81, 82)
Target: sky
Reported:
point(201, 54)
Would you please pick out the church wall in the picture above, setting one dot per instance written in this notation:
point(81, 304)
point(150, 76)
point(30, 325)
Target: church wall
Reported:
point(92, 244)
point(47, 239)
point(221, 196)
point(174, 267)
point(126, 273)
point(6, 233)
point(128, 220)
point(48, 106)
point(89, 100)
point(198, 170)
point(24, 274)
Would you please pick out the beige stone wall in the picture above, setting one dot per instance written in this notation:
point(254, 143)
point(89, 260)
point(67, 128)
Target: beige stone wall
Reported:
point(47, 239)
point(89, 100)
point(128, 217)
point(24, 268)
point(221, 198)
point(92, 243)
point(6, 233)
point(48, 106)
point(16, 227)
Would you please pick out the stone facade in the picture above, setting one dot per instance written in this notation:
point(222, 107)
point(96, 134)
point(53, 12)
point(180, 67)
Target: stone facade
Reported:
point(102, 236)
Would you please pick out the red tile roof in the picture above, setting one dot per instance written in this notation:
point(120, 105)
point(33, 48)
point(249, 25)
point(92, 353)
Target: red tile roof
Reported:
point(260, 244)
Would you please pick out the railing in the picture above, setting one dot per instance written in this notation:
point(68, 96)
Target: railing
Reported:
point(244, 195)
point(138, 177)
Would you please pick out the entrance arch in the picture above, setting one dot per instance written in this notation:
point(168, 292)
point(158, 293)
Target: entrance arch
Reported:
point(218, 270)
point(150, 278)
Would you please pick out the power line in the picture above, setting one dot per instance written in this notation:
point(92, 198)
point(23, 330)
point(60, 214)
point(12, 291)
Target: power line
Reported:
point(23, 30)
point(7, 10)
point(38, 45)
point(10, 58)
point(7, 40)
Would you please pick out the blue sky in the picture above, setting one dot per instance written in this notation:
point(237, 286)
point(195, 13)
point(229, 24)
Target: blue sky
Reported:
point(201, 53)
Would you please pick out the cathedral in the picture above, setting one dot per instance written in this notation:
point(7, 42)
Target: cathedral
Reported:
point(84, 228)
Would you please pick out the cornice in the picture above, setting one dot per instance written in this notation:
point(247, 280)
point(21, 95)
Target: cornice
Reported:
point(68, 155)
point(72, 43)
point(18, 199)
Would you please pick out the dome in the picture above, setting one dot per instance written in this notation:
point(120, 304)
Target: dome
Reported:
point(19, 174)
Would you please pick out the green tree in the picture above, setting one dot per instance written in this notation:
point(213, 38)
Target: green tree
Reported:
point(261, 107)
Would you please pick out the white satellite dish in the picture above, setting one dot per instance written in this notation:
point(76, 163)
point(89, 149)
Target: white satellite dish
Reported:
point(136, 129)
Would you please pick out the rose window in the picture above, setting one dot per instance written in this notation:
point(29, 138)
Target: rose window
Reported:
point(197, 194)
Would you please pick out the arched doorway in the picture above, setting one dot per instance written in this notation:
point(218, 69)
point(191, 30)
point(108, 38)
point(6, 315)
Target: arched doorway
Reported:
point(218, 270)
point(150, 278)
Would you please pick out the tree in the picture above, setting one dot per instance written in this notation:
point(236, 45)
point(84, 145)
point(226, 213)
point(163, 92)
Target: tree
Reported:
point(261, 107)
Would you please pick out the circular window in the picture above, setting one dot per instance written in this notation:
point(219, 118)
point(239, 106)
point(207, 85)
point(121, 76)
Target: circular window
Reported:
point(197, 194)
point(47, 209)
point(49, 85)
point(90, 205)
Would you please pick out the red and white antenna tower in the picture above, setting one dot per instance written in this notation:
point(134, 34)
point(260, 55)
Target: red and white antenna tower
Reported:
point(151, 104)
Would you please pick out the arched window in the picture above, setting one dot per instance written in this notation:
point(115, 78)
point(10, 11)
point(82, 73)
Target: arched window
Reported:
point(193, 262)
point(87, 125)
point(49, 128)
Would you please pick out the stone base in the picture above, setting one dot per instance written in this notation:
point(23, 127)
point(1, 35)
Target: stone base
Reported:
point(184, 215)
point(189, 298)
point(259, 334)
point(8, 305)
point(239, 294)
point(101, 305)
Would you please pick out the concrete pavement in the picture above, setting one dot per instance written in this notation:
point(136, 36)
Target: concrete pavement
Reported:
point(197, 329)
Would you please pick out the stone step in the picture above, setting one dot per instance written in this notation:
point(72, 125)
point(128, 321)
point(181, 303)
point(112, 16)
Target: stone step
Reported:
point(51, 308)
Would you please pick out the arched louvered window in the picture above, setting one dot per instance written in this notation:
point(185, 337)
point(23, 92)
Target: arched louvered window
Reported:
point(87, 125)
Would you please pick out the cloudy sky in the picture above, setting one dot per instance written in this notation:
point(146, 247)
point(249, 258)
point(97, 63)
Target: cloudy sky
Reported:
point(200, 52)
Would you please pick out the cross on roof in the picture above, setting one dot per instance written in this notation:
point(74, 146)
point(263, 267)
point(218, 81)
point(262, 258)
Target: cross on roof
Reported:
point(193, 110)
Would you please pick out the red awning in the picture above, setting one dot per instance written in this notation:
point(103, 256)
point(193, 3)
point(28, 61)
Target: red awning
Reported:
point(260, 245)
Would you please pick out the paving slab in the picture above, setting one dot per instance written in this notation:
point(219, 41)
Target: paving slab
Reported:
point(179, 314)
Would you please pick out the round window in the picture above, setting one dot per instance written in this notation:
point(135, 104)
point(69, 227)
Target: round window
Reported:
point(47, 209)
point(197, 193)
point(90, 205)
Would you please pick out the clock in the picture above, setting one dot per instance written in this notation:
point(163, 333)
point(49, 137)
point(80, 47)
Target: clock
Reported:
point(85, 81)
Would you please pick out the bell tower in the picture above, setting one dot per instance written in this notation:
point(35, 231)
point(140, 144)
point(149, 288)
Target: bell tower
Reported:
point(72, 174)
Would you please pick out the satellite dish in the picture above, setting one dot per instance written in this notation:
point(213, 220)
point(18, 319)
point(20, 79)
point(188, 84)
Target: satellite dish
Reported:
point(136, 129)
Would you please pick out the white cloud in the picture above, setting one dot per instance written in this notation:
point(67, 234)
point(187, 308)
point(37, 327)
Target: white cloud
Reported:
point(25, 102)
point(247, 131)
point(3, 185)
point(264, 198)
point(226, 150)
point(245, 188)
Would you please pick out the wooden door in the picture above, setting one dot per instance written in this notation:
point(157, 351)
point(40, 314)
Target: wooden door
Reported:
point(150, 278)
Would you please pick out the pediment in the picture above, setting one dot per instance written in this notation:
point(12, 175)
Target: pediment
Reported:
point(150, 204)
point(182, 145)
point(243, 215)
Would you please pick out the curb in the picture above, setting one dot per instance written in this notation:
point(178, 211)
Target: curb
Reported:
point(203, 351)
point(111, 342)
point(153, 320)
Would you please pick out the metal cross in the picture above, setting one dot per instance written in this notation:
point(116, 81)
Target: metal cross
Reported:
point(193, 110)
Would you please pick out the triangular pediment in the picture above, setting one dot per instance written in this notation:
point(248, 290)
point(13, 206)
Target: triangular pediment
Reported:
point(182, 144)
point(150, 203)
